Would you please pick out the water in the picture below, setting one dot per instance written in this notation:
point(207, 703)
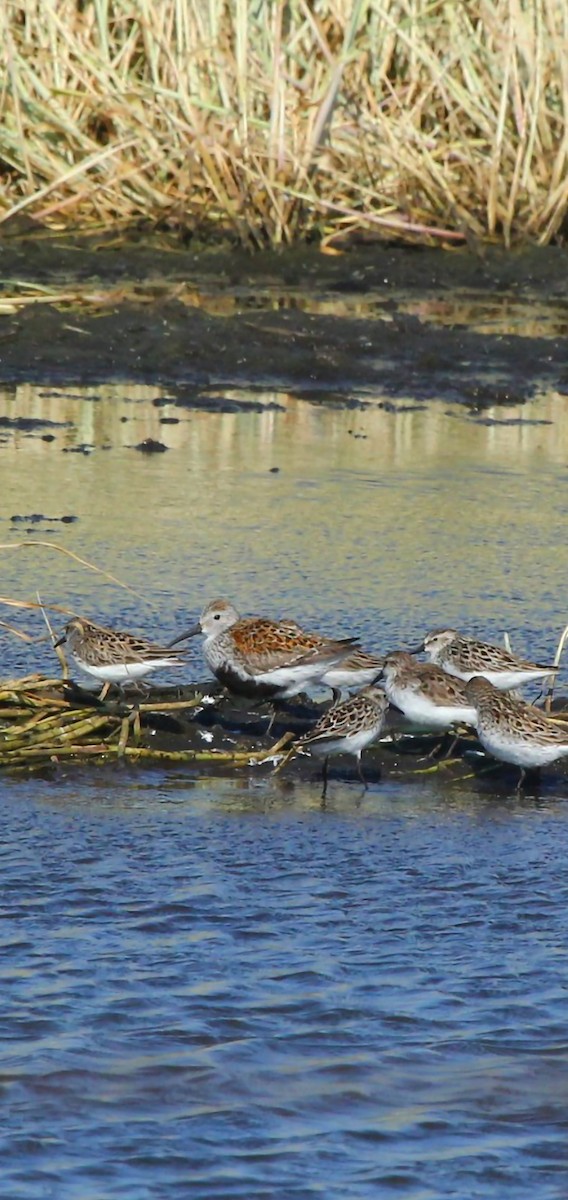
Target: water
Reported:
point(376, 522)
point(216, 988)
point(220, 990)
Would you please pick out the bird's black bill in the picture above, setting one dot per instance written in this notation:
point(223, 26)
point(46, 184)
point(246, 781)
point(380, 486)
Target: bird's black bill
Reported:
point(182, 636)
point(416, 649)
point(60, 641)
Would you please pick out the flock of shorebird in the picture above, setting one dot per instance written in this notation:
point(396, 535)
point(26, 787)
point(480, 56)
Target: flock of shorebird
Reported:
point(464, 682)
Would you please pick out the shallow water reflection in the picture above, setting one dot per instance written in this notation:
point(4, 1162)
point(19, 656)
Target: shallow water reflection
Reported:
point(473, 308)
point(368, 520)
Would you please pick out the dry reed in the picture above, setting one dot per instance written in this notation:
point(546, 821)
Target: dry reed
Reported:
point(421, 119)
point(41, 725)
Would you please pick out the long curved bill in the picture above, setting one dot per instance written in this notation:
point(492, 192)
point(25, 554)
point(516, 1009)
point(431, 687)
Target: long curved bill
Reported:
point(191, 632)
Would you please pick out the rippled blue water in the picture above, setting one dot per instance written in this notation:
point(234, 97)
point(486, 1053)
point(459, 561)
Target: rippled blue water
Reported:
point(221, 990)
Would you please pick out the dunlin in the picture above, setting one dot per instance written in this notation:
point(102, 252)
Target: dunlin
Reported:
point(514, 731)
point(262, 658)
point(464, 657)
point(114, 657)
point(426, 694)
point(347, 728)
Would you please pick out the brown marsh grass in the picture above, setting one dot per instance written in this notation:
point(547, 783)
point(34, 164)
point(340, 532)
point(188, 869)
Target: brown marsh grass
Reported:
point(284, 119)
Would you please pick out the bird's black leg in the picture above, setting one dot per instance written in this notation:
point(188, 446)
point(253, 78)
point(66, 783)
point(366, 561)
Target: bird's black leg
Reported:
point(272, 718)
point(360, 772)
point(324, 777)
point(528, 776)
point(437, 749)
point(273, 708)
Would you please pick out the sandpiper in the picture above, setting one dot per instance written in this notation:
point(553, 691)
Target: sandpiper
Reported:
point(514, 731)
point(112, 656)
point(426, 694)
point(464, 657)
point(347, 728)
point(262, 658)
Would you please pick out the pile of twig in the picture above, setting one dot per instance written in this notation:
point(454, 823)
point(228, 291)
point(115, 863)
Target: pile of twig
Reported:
point(41, 724)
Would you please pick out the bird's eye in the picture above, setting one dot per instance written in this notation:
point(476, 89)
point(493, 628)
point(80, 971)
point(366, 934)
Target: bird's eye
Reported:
point(216, 616)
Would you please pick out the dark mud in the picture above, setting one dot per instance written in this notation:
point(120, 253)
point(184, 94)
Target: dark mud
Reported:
point(227, 725)
point(268, 339)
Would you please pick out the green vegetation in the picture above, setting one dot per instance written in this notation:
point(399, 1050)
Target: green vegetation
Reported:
point(275, 120)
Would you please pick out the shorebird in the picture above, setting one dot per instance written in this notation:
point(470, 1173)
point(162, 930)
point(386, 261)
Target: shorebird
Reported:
point(112, 656)
point(426, 694)
point(464, 657)
point(514, 731)
point(347, 728)
point(262, 658)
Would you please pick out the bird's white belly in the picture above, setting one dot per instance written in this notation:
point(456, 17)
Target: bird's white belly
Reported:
point(519, 752)
point(340, 677)
point(352, 743)
point(503, 680)
point(122, 672)
point(291, 679)
point(422, 711)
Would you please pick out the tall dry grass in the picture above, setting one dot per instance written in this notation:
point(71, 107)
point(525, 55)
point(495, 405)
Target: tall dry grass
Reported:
point(282, 119)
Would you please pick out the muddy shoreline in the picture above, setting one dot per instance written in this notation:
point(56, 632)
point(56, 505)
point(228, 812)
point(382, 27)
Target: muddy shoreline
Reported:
point(270, 342)
point(186, 728)
point(402, 753)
